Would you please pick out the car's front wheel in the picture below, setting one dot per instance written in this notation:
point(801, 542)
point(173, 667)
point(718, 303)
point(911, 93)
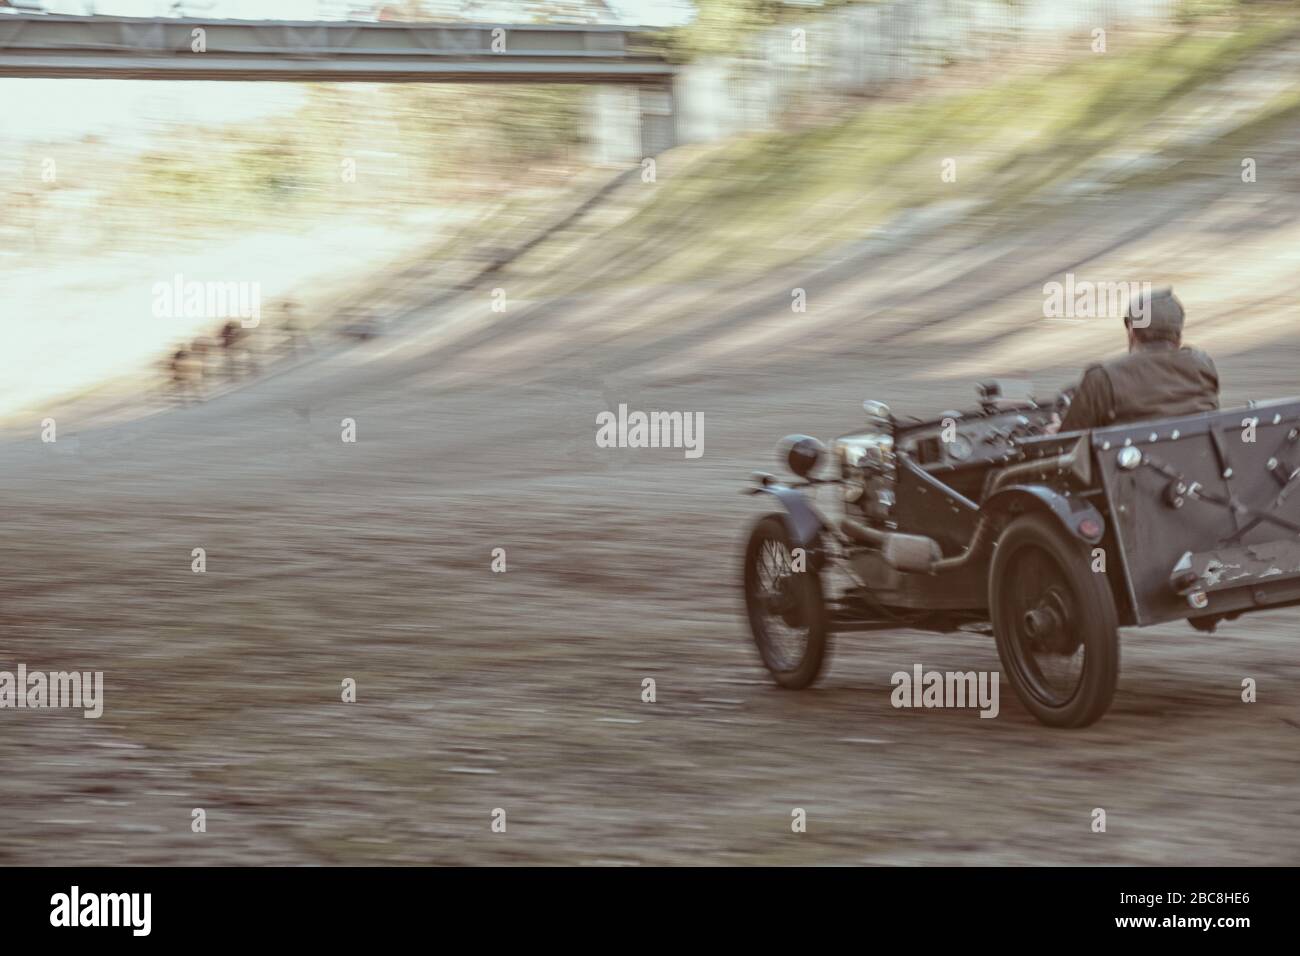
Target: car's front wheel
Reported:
point(1055, 623)
point(787, 612)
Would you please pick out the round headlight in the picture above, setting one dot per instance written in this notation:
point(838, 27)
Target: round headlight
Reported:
point(801, 453)
point(877, 412)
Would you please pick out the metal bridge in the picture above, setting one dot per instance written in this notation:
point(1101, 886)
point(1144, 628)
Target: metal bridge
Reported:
point(636, 119)
point(193, 49)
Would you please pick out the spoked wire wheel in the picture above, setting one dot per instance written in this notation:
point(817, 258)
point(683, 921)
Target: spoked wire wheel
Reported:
point(1055, 623)
point(787, 612)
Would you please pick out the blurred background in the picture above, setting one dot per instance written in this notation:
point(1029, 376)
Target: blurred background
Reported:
point(471, 272)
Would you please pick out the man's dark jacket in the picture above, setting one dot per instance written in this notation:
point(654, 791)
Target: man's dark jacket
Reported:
point(1155, 380)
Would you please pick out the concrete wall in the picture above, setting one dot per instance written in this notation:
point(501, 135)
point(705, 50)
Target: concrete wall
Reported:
point(625, 124)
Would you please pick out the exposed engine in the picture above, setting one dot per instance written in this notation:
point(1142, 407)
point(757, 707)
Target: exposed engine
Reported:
point(866, 463)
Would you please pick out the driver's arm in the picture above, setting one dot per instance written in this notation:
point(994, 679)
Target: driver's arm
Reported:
point(1093, 404)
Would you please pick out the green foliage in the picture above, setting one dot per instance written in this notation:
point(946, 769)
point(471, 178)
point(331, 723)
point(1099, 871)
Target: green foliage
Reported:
point(761, 201)
point(721, 27)
point(409, 143)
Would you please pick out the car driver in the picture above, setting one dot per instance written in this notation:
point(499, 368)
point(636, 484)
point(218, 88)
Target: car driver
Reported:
point(1158, 378)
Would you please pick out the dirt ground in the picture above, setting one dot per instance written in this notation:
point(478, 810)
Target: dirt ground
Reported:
point(521, 690)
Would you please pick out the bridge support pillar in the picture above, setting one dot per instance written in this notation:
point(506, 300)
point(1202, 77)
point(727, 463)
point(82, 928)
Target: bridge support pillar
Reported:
point(629, 123)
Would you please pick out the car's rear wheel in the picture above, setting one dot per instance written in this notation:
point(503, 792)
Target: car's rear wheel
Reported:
point(787, 612)
point(1055, 623)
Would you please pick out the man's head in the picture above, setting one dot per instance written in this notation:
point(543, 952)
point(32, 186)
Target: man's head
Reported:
point(1154, 317)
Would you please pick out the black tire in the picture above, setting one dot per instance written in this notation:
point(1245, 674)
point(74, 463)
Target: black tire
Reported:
point(779, 600)
point(1048, 606)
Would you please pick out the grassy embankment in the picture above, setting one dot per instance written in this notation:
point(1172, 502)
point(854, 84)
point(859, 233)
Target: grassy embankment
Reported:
point(763, 201)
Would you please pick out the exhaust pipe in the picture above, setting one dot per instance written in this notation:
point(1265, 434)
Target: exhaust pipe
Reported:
point(916, 553)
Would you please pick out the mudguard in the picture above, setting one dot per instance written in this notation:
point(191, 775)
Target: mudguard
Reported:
point(802, 520)
point(1070, 511)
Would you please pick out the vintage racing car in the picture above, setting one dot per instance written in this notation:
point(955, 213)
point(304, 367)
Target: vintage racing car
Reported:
point(984, 520)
